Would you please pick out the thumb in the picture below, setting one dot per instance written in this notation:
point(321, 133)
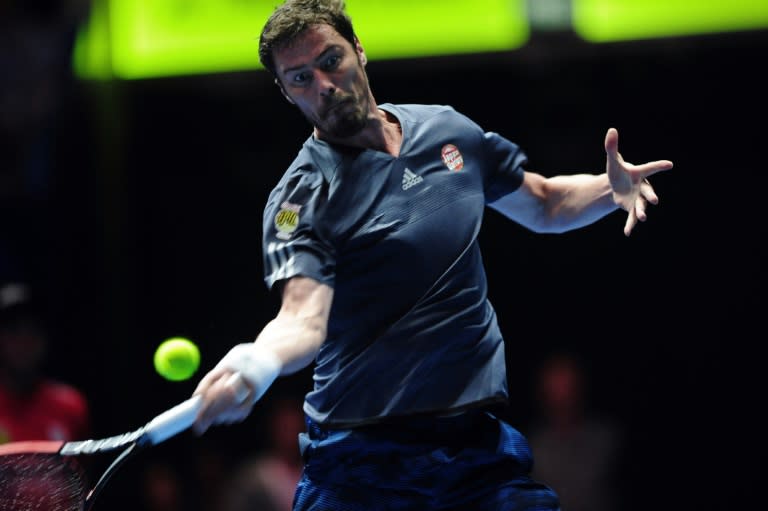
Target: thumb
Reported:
point(612, 143)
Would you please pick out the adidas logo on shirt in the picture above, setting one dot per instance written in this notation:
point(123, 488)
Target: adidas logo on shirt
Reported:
point(410, 179)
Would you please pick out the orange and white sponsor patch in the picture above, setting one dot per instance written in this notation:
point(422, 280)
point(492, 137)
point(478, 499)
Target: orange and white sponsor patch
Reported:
point(452, 157)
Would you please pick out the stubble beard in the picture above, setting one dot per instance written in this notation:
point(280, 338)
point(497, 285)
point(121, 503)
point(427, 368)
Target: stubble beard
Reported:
point(345, 117)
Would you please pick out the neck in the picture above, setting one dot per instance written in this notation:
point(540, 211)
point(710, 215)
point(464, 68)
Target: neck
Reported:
point(382, 133)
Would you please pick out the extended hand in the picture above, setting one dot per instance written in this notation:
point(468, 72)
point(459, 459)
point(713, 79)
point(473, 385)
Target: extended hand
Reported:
point(631, 189)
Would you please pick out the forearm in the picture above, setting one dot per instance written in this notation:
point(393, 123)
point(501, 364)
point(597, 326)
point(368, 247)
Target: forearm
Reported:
point(284, 346)
point(289, 342)
point(557, 204)
point(294, 340)
point(574, 201)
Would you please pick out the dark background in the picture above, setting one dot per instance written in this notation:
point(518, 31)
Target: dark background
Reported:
point(150, 224)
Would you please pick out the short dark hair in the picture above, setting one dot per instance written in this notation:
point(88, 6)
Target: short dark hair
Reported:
point(290, 19)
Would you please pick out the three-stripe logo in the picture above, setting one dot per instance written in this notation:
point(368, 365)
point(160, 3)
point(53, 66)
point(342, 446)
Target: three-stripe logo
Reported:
point(410, 178)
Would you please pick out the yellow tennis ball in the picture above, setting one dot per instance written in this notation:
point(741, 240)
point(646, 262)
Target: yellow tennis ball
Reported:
point(177, 359)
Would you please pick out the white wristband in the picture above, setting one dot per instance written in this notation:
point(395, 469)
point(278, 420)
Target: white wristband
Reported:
point(259, 366)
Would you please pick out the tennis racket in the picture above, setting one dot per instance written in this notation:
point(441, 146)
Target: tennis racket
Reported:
point(49, 475)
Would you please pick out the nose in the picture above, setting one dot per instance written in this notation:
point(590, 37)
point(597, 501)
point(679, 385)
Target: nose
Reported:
point(326, 85)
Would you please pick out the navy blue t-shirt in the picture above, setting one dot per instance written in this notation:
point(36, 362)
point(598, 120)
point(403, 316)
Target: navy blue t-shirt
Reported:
point(411, 329)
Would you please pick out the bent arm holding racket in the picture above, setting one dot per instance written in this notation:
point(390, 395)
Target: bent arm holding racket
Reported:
point(39, 475)
point(48, 475)
point(287, 344)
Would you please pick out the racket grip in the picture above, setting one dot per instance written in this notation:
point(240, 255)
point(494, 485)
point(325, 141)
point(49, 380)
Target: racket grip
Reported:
point(173, 421)
point(182, 416)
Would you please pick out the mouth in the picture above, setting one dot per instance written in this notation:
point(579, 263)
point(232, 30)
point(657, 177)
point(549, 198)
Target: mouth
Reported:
point(338, 105)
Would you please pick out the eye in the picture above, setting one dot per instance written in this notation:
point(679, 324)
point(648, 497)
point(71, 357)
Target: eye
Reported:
point(332, 62)
point(302, 78)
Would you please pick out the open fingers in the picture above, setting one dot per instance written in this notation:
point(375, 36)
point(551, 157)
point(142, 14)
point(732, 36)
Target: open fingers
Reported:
point(630, 223)
point(652, 167)
point(640, 214)
point(611, 140)
point(647, 192)
point(612, 144)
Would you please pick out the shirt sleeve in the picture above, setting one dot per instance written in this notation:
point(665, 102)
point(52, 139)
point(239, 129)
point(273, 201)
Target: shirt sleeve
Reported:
point(506, 160)
point(293, 243)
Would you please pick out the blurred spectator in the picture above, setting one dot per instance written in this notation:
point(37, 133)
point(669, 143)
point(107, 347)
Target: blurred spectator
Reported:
point(268, 481)
point(32, 405)
point(161, 487)
point(576, 452)
point(175, 478)
point(211, 467)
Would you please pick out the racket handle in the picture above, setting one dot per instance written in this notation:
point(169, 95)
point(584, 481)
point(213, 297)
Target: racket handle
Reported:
point(173, 421)
point(182, 416)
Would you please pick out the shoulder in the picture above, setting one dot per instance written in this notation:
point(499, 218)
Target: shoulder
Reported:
point(305, 172)
point(418, 112)
point(307, 163)
point(435, 121)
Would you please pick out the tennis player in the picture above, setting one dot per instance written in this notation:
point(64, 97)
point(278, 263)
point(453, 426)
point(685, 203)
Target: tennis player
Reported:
point(370, 237)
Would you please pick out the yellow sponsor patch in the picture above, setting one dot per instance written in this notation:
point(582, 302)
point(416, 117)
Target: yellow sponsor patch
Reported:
point(287, 220)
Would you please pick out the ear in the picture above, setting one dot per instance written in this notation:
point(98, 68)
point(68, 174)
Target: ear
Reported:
point(360, 52)
point(282, 91)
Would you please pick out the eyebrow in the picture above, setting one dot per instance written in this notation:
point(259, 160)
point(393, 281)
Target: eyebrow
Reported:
point(320, 57)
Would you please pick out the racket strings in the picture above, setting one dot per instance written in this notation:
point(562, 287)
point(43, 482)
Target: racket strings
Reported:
point(41, 482)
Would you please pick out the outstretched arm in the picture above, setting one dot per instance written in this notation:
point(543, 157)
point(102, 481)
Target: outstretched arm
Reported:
point(563, 203)
point(287, 344)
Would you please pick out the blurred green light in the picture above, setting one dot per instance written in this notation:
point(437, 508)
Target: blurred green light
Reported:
point(619, 20)
point(91, 54)
point(419, 28)
point(131, 39)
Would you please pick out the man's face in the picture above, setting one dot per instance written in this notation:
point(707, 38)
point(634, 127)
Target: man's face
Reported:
point(324, 76)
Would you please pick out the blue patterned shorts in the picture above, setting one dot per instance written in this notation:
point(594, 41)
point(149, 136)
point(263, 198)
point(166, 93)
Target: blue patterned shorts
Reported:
point(471, 462)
